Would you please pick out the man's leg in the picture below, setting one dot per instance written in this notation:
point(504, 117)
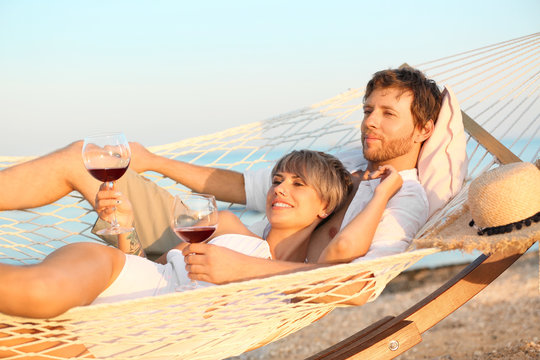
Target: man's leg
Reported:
point(46, 179)
point(73, 275)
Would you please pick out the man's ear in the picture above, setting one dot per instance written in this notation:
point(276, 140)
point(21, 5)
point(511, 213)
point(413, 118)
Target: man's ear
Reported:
point(424, 133)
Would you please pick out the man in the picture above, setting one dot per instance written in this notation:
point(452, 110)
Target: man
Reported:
point(400, 107)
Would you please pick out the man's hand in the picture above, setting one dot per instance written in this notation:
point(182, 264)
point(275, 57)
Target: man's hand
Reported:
point(107, 200)
point(141, 158)
point(215, 264)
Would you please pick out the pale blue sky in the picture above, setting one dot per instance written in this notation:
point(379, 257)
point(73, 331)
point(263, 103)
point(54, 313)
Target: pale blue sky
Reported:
point(161, 71)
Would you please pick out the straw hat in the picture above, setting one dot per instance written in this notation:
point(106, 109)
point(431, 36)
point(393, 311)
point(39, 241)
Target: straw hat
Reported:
point(502, 212)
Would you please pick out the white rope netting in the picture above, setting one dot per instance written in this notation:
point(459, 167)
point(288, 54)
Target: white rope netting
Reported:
point(497, 86)
point(208, 323)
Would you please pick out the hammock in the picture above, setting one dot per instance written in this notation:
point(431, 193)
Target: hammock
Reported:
point(497, 85)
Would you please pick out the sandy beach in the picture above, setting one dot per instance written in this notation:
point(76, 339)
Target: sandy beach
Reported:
point(502, 322)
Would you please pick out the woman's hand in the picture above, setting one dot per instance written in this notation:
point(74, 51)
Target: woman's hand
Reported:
point(107, 199)
point(391, 181)
point(215, 264)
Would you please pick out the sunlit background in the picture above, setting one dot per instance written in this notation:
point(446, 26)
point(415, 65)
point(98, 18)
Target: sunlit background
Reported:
point(161, 71)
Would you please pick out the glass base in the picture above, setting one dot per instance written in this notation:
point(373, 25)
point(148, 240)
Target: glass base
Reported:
point(114, 230)
point(191, 286)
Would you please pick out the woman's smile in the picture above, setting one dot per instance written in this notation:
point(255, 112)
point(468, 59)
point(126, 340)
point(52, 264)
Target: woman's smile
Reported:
point(281, 204)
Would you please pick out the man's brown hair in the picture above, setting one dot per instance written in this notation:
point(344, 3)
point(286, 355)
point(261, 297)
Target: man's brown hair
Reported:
point(427, 97)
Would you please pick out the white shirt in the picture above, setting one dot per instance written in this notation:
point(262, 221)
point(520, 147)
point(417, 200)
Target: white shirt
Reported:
point(405, 213)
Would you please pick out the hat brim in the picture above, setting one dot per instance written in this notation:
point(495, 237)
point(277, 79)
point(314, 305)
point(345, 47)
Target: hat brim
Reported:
point(456, 234)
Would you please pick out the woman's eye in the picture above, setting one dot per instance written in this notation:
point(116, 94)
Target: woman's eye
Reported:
point(298, 184)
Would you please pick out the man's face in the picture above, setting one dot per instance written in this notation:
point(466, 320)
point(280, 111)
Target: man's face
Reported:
point(388, 125)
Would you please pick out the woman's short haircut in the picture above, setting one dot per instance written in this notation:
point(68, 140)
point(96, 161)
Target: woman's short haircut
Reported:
point(324, 172)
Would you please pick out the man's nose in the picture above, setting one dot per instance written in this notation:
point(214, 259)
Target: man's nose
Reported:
point(371, 120)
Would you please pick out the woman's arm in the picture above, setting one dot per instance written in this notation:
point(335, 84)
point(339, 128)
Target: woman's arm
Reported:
point(355, 239)
point(220, 265)
point(229, 223)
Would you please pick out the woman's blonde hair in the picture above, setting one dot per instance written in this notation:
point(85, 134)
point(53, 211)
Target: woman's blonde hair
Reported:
point(324, 172)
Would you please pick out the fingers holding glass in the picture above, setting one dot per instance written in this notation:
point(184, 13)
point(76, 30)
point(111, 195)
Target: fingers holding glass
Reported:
point(107, 157)
point(111, 203)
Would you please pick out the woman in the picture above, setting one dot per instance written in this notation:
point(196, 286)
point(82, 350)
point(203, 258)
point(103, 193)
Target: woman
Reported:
point(307, 187)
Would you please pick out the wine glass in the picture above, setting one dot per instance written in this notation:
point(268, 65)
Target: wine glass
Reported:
point(195, 219)
point(107, 157)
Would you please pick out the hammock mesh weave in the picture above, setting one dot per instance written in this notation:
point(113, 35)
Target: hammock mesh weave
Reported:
point(497, 86)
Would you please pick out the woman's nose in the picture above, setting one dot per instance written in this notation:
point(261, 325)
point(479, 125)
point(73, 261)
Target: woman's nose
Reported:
point(281, 189)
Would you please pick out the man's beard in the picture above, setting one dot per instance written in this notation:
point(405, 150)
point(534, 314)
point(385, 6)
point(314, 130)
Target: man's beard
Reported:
point(389, 149)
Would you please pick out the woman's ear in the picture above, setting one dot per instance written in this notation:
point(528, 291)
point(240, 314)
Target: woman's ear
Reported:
point(424, 133)
point(323, 214)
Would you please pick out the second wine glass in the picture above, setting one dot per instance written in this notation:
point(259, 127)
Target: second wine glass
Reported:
point(195, 219)
point(107, 157)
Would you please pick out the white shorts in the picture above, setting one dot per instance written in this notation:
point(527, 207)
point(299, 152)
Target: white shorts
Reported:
point(141, 277)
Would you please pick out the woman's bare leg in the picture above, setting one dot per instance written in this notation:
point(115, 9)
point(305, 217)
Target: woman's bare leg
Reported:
point(46, 179)
point(73, 275)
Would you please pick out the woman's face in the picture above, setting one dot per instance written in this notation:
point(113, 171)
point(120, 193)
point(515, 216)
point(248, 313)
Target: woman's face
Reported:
point(291, 203)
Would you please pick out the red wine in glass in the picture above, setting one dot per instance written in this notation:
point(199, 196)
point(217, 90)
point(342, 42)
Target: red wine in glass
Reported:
point(108, 174)
point(107, 157)
point(195, 234)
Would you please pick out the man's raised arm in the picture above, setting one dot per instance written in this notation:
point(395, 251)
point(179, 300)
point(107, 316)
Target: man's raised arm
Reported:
point(225, 185)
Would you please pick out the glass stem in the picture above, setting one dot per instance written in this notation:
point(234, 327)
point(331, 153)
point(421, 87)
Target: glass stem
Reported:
point(114, 223)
